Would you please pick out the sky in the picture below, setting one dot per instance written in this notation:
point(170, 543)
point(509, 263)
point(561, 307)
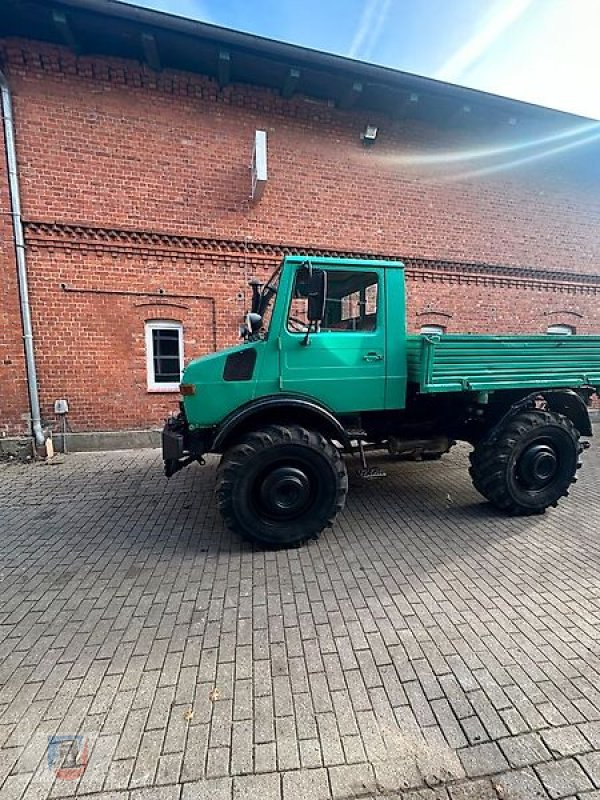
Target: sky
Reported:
point(541, 51)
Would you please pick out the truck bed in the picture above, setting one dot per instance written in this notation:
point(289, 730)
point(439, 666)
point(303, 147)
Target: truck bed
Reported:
point(472, 362)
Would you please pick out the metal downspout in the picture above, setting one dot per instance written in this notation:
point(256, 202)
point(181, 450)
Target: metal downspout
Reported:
point(19, 239)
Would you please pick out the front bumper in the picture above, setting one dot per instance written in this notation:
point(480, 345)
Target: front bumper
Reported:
point(172, 444)
point(180, 446)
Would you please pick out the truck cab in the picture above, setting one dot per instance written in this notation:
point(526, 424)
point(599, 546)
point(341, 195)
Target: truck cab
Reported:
point(346, 360)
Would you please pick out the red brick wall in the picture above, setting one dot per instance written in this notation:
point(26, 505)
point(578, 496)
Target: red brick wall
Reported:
point(501, 305)
point(106, 144)
point(92, 348)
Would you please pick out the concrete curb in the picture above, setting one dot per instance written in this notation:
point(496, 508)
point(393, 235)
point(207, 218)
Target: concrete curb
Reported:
point(94, 441)
point(20, 447)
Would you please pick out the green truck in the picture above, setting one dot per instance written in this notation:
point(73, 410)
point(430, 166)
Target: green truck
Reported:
point(327, 369)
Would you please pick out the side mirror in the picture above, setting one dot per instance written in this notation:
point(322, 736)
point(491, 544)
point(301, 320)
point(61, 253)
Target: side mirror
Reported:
point(314, 288)
point(256, 287)
point(255, 321)
point(251, 325)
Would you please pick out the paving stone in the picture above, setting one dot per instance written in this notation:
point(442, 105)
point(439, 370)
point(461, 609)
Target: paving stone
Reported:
point(217, 762)
point(241, 748)
point(257, 787)
point(169, 768)
point(331, 744)
point(288, 756)
point(448, 722)
point(437, 763)
point(475, 790)
point(474, 730)
point(119, 774)
point(217, 789)
point(487, 714)
point(591, 764)
point(155, 793)
point(591, 731)
point(372, 738)
point(354, 750)
point(566, 741)
point(519, 784)
point(264, 722)
point(426, 794)
point(397, 775)
point(306, 783)
point(14, 786)
point(98, 764)
point(194, 756)
point(356, 780)
point(561, 778)
point(344, 713)
point(265, 757)
point(146, 762)
point(524, 750)
point(514, 721)
point(483, 759)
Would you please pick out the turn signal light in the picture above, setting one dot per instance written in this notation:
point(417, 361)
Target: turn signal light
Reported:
point(187, 388)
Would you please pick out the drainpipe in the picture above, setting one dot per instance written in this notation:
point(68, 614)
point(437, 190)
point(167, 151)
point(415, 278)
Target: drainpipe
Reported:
point(19, 239)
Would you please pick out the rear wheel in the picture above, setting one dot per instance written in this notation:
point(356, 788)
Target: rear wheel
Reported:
point(531, 463)
point(281, 485)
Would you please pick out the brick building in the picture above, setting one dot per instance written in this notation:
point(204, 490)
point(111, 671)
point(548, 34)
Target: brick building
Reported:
point(134, 134)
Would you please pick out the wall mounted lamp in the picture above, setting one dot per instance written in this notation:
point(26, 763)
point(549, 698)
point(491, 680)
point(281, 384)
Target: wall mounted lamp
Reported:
point(369, 135)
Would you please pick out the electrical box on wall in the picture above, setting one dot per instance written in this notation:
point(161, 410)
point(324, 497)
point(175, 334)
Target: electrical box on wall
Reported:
point(259, 165)
point(61, 407)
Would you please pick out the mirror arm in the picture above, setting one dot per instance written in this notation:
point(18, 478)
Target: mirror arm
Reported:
point(306, 340)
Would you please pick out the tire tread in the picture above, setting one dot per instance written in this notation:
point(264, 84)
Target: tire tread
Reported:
point(488, 460)
point(234, 462)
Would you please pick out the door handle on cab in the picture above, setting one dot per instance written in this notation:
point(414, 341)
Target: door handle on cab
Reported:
point(372, 356)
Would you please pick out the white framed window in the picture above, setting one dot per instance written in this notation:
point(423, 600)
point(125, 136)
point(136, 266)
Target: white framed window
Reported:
point(164, 355)
point(561, 330)
point(436, 329)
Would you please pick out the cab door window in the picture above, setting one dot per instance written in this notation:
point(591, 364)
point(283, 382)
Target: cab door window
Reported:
point(351, 303)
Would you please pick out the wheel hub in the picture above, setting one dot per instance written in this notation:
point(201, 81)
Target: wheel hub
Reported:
point(285, 492)
point(538, 465)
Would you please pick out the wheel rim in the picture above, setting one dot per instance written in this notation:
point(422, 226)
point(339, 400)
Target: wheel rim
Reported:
point(284, 492)
point(538, 465)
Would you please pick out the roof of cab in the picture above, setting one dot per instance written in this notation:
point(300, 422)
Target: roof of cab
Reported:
point(344, 262)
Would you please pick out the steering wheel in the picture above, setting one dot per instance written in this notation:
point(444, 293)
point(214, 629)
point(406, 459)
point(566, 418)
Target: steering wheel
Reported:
point(300, 324)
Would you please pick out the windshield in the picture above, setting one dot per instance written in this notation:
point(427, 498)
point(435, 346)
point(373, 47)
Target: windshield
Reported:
point(267, 297)
point(273, 283)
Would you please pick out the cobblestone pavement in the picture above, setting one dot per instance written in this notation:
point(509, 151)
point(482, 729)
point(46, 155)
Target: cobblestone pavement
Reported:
point(426, 647)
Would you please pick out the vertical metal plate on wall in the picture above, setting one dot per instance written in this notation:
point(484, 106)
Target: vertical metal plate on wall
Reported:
point(259, 165)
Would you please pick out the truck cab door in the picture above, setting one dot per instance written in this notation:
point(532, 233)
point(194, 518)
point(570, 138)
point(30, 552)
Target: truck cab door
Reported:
point(343, 363)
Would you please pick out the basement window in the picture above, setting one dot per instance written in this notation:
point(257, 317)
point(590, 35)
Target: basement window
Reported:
point(164, 355)
point(561, 330)
point(433, 329)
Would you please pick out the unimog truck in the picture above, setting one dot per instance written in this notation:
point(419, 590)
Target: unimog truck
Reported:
point(327, 370)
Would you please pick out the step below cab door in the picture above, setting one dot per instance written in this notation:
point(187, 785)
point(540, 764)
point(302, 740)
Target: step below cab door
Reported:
point(343, 364)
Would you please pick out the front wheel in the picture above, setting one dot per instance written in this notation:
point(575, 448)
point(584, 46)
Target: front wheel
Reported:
point(281, 485)
point(531, 463)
